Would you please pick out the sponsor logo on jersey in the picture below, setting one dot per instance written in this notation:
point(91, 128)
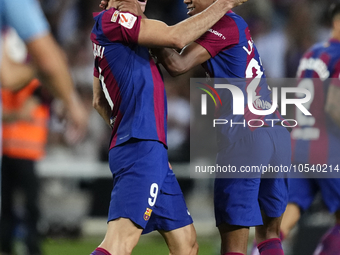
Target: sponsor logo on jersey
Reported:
point(115, 16)
point(147, 214)
point(216, 33)
point(127, 20)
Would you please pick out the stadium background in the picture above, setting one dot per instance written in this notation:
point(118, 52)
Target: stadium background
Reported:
point(75, 178)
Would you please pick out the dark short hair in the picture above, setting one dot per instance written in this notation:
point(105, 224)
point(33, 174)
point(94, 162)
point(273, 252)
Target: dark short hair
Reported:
point(334, 9)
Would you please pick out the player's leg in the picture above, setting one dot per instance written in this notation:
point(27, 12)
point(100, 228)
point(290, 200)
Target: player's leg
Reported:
point(236, 208)
point(290, 217)
point(269, 229)
point(138, 171)
point(273, 193)
point(172, 219)
point(236, 200)
point(273, 196)
point(234, 239)
point(268, 236)
point(121, 237)
point(181, 241)
point(301, 194)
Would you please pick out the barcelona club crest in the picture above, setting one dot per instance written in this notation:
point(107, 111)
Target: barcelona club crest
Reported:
point(147, 214)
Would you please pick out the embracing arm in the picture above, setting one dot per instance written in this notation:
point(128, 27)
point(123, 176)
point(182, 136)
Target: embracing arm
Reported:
point(178, 63)
point(155, 33)
point(99, 101)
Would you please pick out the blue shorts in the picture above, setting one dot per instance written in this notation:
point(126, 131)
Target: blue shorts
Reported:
point(145, 189)
point(239, 201)
point(302, 192)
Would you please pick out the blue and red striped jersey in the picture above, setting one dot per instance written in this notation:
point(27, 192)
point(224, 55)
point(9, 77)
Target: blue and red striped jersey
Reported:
point(235, 57)
point(316, 139)
point(129, 77)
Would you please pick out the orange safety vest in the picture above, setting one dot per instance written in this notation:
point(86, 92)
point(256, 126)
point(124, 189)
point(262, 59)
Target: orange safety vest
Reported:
point(25, 139)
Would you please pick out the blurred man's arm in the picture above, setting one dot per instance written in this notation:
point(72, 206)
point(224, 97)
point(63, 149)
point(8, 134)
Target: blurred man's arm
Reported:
point(15, 75)
point(332, 106)
point(53, 71)
point(24, 113)
point(99, 101)
point(27, 18)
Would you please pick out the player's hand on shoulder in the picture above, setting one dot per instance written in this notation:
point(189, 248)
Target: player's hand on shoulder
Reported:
point(103, 4)
point(131, 6)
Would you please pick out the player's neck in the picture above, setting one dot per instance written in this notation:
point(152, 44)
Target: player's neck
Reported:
point(335, 35)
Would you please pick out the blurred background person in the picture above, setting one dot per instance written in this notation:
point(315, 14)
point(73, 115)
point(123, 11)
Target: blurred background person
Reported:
point(25, 120)
point(25, 128)
point(27, 18)
point(316, 140)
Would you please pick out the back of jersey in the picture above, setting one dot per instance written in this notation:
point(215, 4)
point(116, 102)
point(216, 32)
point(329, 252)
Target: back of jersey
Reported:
point(316, 139)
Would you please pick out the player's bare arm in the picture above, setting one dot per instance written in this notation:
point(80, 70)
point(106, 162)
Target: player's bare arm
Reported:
point(99, 101)
point(155, 33)
point(333, 104)
point(178, 63)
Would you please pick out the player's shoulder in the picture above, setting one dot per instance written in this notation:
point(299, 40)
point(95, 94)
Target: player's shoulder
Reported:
point(232, 17)
point(320, 46)
point(106, 15)
point(115, 18)
point(227, 22)
point(315, 50)
point(333, 46)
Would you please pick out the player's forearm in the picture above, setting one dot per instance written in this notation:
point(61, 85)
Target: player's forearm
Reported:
point(171, 60)
point(103, 108)
point(193, 27)
point(99, 101)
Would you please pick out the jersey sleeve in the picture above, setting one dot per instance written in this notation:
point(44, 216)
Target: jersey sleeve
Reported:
point(26, 17)
point(336, 75)
point(224, 34)
point(121, 26)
